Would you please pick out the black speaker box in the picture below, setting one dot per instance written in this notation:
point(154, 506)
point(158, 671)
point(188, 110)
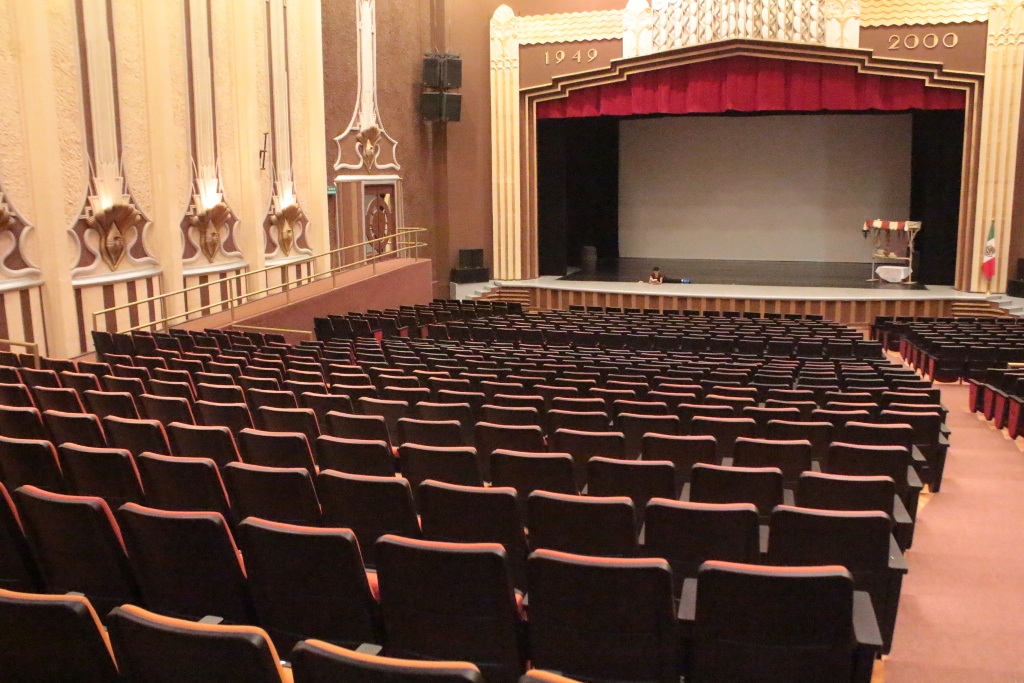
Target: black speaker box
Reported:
point(471, 258)
point(451, 73)
point(432, 67)
point(440, 106)
point(451, 107)
point(464, 276)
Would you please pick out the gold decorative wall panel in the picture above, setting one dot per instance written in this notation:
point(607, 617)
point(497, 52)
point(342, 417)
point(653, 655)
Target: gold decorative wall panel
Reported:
point(570, 27)
point(1000, 123)
point(911, 12)
point(70, 119)
point(14, 167)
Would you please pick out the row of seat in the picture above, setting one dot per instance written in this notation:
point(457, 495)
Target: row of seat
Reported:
point(185, 565)
point(60, 637)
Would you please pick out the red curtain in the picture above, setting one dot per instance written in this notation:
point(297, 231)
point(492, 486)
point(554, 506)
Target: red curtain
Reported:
point(748, 84)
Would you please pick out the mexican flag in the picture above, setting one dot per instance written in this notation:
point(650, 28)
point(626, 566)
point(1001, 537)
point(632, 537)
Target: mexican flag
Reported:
point(988, 266)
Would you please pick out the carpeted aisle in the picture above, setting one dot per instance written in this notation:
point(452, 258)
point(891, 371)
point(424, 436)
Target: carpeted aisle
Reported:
point(961, 614)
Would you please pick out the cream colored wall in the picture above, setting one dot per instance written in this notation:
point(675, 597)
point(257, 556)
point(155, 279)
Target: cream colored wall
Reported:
point(46, 174)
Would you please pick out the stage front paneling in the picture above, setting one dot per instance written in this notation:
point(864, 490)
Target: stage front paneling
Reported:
point(839, 305)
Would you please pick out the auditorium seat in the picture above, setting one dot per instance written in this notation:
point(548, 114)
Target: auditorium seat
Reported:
point(581, 626)
point(133, 386)
point(183, 484)
point(194, 441)
point(314, 661)
point(490, 437)
point(167, 409)
point(78, 428)
point(792, 457)
point(688, 534)
point(472, 514)
point(173, 389)
point(582, 525)
point(260, 398)
point(589, 421)
point(136, 436)
point(151, 648)
point(762, 486)
point(30, 462)
point(323, 403)
point(426, 589)
point(529, 472)
point(107, 473)
point(300, 420)
point(354, 456)
point(830, 633)
point(637, 480)
point(860, 541)
point(111, 403)
point(926, 437)
point(18, 571)
point(16, 395)
point(441, 433)
point(725, 430)
point(682, 451)
point(21, 423)
point(78, 546)
point(635, 427)
point(846, 492)
point(583, 446)
point(234, 416)
point(64, 400)
point(186, 563)
point(454, 465)
point(278, 494)
point(53, 638)
point(370, 506)
point(309, 582)
point(365, 427)
point(33, 378)
point(276, 449)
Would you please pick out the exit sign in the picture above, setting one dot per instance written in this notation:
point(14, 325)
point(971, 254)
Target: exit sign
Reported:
point(332, 190)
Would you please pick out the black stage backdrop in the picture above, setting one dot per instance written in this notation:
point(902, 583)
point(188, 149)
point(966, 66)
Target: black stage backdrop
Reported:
point(936, 163)
point(578, 190)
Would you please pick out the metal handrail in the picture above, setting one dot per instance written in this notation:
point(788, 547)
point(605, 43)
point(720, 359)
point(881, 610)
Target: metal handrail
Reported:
point(402, 245)
point(280, 330)
point(31, 347)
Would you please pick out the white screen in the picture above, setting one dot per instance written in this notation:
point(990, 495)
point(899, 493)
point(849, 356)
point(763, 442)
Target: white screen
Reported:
point(760, 188)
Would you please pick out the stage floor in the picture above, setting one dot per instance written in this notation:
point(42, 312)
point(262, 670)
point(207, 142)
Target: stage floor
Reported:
point(761, 273)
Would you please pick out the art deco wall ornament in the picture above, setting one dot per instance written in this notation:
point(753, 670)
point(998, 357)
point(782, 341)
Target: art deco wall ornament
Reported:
point(368, 146)
point(110, 213)
point(211, 226)
point(113, 226)
point(289, 224)
point(364, 145)
point(13, 230)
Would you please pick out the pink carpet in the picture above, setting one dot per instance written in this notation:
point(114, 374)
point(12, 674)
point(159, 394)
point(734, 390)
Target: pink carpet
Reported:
point(961, 614)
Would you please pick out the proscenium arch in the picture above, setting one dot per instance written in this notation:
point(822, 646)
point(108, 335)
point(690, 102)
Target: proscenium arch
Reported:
point(932, 73)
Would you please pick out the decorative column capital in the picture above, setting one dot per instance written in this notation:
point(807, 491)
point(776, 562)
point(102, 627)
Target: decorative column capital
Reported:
point(1005, 23)
point(504, 39)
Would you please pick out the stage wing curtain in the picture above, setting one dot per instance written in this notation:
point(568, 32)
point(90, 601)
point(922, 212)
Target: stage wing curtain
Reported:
point(747, 84)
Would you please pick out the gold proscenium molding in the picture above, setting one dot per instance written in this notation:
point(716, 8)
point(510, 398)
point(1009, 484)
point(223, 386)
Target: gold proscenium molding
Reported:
point(209, 224)
point(285, 221)
point(112, 225)
point(932, 73)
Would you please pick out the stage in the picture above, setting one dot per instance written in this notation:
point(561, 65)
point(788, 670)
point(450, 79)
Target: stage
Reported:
point(835, 291)
point(760, 273)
